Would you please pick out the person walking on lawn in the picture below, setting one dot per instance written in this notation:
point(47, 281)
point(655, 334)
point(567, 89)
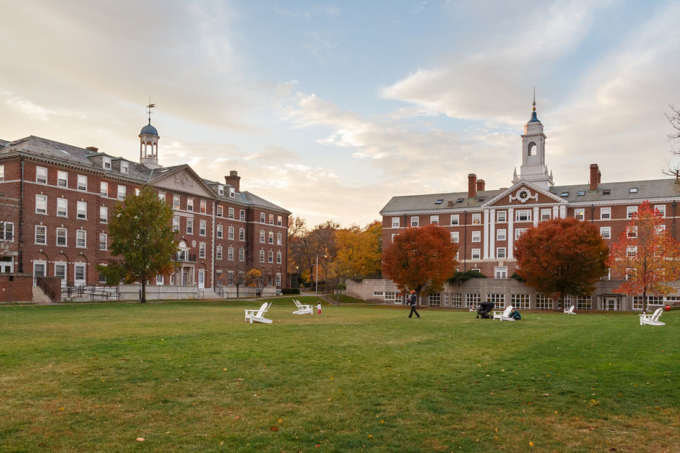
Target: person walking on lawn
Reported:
point(412, 301)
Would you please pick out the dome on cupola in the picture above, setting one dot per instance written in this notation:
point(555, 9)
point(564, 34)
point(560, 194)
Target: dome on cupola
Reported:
point(149, 130)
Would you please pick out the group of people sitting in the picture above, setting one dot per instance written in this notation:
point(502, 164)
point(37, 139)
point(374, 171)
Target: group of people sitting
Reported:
point(485, 308)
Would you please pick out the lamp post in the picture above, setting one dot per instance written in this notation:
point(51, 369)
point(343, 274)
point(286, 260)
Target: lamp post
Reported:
point(317, 272)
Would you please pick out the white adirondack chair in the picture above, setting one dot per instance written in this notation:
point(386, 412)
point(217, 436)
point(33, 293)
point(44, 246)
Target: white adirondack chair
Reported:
point(569, 311)
point(303, 309)
point(652, 319)
point(503, 315)
point(258, 315)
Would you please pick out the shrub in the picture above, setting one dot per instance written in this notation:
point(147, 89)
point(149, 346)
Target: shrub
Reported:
point(461, 277)
point(285, 291)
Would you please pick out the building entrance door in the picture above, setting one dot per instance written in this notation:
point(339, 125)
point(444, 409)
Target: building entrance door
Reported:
point(39, 268)
point(201, 278)
point(611, 303)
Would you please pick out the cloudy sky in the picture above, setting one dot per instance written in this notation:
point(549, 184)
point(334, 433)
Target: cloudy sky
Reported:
point(330, 109)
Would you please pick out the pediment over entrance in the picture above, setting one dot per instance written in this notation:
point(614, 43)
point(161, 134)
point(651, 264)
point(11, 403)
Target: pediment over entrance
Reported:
point(523, 194)
point(183, 180)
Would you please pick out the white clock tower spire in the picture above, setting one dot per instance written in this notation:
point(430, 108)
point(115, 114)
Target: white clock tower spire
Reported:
point(533, 167)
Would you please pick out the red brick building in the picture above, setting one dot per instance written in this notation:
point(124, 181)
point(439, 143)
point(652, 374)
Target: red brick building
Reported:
point(56, 201)
point(486, 223)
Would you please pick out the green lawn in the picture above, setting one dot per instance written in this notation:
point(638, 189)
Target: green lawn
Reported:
point(194, 376)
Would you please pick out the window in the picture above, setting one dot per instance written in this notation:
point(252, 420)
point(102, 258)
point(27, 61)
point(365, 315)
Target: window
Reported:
point(278, 279)
point(279, 220)
point(261, 256)
point(62, 237)
point(176, 202)
point(520, 301)
point(395, 222)
point(190, 226)
point(476, 254)
point(631, 211)
point(231, 233)
point(190, 204)
point(564, 194)
point(122, 192)
point(81, 212)
point(502, 216)
point(455, 219)
point(456, 300)
point(62, 207)
point(476, 236)
point(81, 239)
point(41, 234)
point(271, 237)
point(580, 214)
point(497, 299)
point(501, 235)
point(476, 219)
point(7, 231)
point(202, 228)
point(175, 224)
point(103, 241)
point(279, 239)
point(633, 190)
point(220, 230)
point(220, 211)
point(631, 251)
point(434, 219)
point(278, 257)
point(606, 191)
point(545, 214)
point(262, 236)
point(435, 300)
point(124, 167)
point(414, 221)
point(543, 303)
point(201, 250)
point(519, 232)
point(2, 172)
point(523, 215)
point(159, 279)
point(631, 232)
point(60, 271)
point(241, 254)
point(232, 192)
point(501, 272)
point(41, 204)
point(242, 215)
point(583, 303)
point(581, 193)
point(230, 277)
point(218, 252)
point(271, 219)
point(106, 163)
point(241, 234)
point(606, 232)
point(104, 189)
point(455, 237)
point(605, 213)
point(41, 175)
point(231, 213)
point(204, 207)
point(661, 208)
point(161, 196)
point(79, 271)
point(472, 299)
point(500, 253)
point(270, 257)
point(262, 217)
point(392, 238)
point(103, 214)
point(82, 182)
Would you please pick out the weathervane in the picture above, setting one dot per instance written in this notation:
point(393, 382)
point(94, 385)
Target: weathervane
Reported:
point(150, 106)
point(534, 99)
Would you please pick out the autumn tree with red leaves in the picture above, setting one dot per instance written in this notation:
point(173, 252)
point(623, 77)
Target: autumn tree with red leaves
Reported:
point(562, 257)
point(647, 254)
point(421, 259)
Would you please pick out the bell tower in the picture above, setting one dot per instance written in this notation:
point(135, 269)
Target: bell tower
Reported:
point(148, 143)
point(533, 167)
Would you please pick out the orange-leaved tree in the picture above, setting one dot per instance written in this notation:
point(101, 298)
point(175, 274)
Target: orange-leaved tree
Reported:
point(421, 258)
point(646, 254)
point(359, 251)
point(562, 257)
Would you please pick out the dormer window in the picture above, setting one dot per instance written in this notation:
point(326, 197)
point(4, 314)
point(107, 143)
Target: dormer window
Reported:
point(581, 193)
point(460, 200)
point(565, 194)
point(220, 189)
point(440, 201)
point(106, 163)
point(481, 198)
point(232, 192)
point(633, 190)
point(606, 191)
point(124, 167)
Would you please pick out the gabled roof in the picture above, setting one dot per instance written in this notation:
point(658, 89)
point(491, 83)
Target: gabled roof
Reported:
point(655, 188)
point(523, 183)
point(253, 199)
point(430, 202)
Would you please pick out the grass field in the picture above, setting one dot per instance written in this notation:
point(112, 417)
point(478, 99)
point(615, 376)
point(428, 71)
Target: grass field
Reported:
point(194, 376)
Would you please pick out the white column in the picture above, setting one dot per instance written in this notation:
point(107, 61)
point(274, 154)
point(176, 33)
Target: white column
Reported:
point(563, 212)
point(535, 215)
point(492, 234)
point(485, 239)
point(555, 211)
point(511, 233)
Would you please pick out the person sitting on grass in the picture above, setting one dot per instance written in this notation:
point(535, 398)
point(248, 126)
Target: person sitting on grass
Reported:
point(514, 314)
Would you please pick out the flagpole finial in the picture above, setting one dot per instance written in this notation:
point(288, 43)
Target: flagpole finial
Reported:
point(149, 107)
point(534, 109)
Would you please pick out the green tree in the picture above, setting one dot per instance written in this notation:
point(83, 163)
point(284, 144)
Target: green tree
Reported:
point(141, 233)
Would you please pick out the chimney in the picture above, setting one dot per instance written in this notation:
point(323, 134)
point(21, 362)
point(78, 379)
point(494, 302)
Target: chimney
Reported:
point(92, 148)
point(480, 185)
point(233, 180)
point(594, 177)
point(472, 185)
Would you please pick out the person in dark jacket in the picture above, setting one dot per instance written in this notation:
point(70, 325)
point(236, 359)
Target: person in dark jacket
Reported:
point(514, 314)
point(412, 302)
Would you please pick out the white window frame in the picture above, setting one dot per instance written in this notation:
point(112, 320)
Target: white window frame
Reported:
point(523, 215)
point(103, 214)
point(220, 231)
point(65, 236)
point(81, 183)
point(218, 252)
point(502, 234)
point(501, 251)
point(202, 228)
point(124, 167)
point(201, 249)
point(519, 232)
point(501, 216)
point(104, 189)
point(62, 211)
point(81, 210)
point(175, 224)
point(278, 257)
point(2, 172)
point(606, 232)
point(203, 207)
point(455, 219)
point(262, 256)
point(190, 226)
point(242, 215)
point(630, 210)
point(106, 163)
point(580, 214)
point(500, 272)
point(230, 253)
point(279, 220)
point(241, 234)
point(661, 208)
point(41, 175)
point(263, 217)
point(190, 204)
point(263, 236)
point(270, 237)
point(81, 239)
point(476, 219)
point(76, 267)
point(220, 210)
point(41, 200)
point(279, 239)
point(415, 221)
point(476, 236)
point(230, 213)
point(395, 222)
point(605, 213)
point(63, 265)
point(476, 254)
point(270, 256)
point(176, 202)
point(7, 231)
point(434, 220)
point(62, 178)
point(631, 232)
point(546, 214)
point(455, 237)
point(241, 254)
point(103, 240)
point(122, 192)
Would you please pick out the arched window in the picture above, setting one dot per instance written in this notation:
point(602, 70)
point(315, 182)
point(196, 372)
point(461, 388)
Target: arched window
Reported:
point(532, 149)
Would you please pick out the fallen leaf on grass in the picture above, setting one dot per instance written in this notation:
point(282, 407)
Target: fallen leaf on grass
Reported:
point(237, 417)
point(140, 439)
point(273, 428)
point(531, 444)
point(240, 379)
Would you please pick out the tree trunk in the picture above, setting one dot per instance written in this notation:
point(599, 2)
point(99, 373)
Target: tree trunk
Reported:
point(237, 287)
point(644, 301)
point(143, 291)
